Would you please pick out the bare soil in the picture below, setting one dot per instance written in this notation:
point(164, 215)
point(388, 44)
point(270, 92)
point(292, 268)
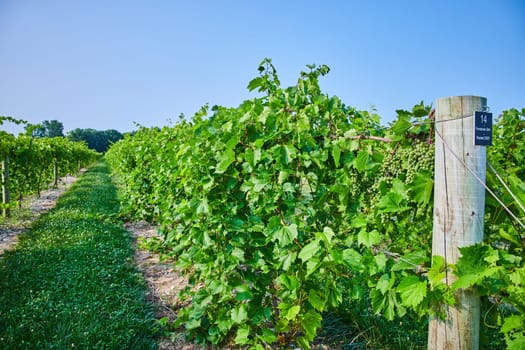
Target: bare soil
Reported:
point(31, 209)
point(164, 282)
point(164, 285)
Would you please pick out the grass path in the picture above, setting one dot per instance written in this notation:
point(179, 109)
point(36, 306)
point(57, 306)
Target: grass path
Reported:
point(71, 282)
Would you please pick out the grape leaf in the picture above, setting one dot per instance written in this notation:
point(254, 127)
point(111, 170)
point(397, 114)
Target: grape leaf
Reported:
point(352, 259)
point(410, 261)
point(401, 125)
point(311, 321)
point(224, 161)
point(336, 154)
point(309, 250)
point(437, 271)
point(239, 314)
point(243, 335)
point(203, 207)
point(362, 160)
point(392, 202)
point(286, 234)
point(422, 187)
point(292, 312)
point(268, 336)
point(412, 291)
point(315, 300)
point(385, 283)
point(368, 238)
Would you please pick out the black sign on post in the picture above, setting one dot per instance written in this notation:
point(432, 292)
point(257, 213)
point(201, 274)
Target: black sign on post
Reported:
point(483, 129)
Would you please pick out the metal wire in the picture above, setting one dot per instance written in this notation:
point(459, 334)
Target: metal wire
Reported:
point(451, 119)
point(481, 181)
point(506, 187)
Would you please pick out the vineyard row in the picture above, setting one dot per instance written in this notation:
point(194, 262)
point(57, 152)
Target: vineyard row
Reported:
point(294, 205)
point(31, 164)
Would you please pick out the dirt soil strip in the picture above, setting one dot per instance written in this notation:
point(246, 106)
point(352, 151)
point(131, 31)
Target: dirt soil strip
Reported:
point(164, 283)
point(36, 207)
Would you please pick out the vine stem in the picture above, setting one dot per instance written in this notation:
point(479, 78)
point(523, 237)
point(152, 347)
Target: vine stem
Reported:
point(375, 138)
point(418, 269)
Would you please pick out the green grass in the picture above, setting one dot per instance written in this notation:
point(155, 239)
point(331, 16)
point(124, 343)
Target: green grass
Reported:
point(354, 326)
point(71, 282)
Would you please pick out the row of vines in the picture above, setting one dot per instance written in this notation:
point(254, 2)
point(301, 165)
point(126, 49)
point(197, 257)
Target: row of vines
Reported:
point(32, 164)
point(293, 203)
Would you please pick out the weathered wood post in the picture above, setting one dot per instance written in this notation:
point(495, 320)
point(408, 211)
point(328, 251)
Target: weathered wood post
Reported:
point(6, 198)
point(55, 172)
point(459, 201)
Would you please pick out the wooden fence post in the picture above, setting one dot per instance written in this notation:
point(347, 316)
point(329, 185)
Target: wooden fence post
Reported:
point(55, 172)
point(6, 198)
point(459, 201)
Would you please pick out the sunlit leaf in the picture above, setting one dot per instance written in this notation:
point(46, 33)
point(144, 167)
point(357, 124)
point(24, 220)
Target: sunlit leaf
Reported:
point(225, 160)
point(368, 238)
point(362, 159)
point(422, 187)
point(315, 300)
point(243, 335)
point(309, 250)
point(239, 314)
point(412, 291)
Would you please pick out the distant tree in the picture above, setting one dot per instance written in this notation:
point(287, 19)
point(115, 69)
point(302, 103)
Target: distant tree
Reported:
point(54, 128)
point(97, 140)
point(48, 128)
point(76, 135)
point(113, 136)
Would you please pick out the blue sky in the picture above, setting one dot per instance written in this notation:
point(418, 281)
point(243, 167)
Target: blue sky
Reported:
point(108, 64)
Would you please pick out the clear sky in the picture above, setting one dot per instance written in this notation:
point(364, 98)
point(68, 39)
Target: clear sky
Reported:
point(107, 64)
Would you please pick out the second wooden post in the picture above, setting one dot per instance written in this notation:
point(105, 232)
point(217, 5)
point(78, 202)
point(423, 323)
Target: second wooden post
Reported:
point(5, 188)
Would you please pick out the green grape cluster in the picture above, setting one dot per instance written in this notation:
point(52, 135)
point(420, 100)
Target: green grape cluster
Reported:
point(402, 163)
point(405, 162)
point(359, 183)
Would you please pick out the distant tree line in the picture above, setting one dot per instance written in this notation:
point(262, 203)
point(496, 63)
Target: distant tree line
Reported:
point(48, 128)
point(96, 140)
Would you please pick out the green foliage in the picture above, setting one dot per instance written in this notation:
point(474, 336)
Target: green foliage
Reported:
point(96, 140)
point(69, 282)
point(11, 120)
point(496, 266)
point(265, 206)
point(268, 205)
point(48, 128)
point(32, 161)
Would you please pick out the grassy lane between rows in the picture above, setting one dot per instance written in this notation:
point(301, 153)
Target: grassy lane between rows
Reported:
point(71, 281)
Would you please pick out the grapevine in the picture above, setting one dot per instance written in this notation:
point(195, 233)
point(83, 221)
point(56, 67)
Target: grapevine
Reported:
point(272, 206)
point(32, 161)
